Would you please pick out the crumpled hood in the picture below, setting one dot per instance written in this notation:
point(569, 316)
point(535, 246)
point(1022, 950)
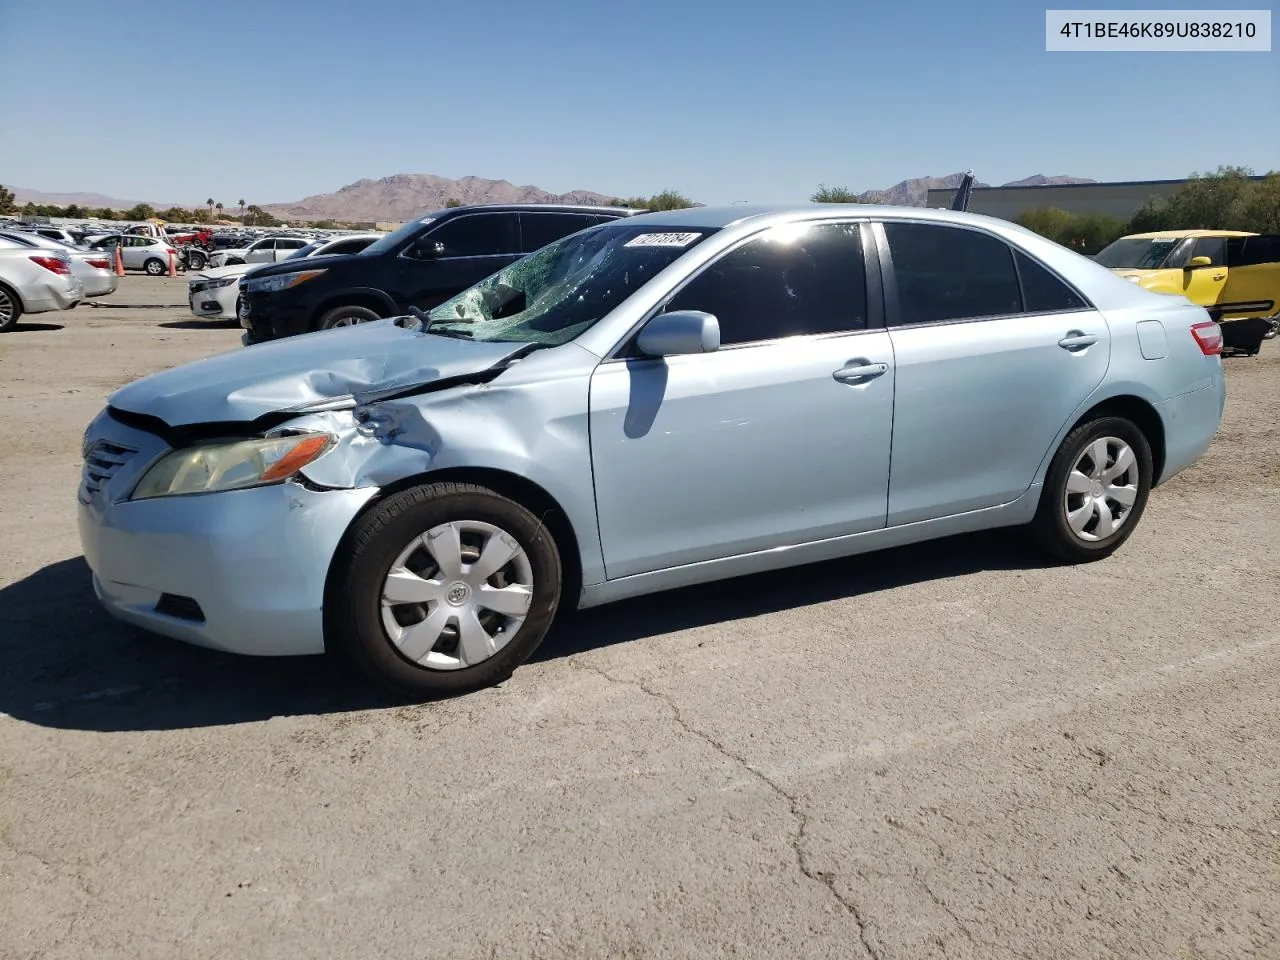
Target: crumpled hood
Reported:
point(267, 378)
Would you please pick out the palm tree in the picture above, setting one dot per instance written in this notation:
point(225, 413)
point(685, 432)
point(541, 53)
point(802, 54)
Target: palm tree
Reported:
point(219, 206)
point(209, 203)
point(242, 213)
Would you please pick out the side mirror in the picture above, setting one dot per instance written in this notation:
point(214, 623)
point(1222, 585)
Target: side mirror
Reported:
point(428, 249)
point(679, 332)
point(1195, 262)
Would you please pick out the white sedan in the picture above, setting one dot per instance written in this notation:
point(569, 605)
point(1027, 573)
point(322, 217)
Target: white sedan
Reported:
point(213, 293)
point(266, 250)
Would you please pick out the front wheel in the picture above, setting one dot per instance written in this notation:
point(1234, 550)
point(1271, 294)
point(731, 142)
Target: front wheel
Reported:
point(347, 316)
point(155, 268)
point(196, 260)
point(443, 589)
point(1095, 490)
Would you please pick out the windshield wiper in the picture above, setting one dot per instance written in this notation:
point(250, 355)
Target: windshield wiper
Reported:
point(424, 326)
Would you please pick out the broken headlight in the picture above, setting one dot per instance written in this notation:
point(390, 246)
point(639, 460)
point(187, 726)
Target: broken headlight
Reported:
point(233, 465)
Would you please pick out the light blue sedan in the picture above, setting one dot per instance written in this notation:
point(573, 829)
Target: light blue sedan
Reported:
point(648, 404)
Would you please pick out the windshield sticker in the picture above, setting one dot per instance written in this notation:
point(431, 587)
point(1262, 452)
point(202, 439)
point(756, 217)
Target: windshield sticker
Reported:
point(662, 240)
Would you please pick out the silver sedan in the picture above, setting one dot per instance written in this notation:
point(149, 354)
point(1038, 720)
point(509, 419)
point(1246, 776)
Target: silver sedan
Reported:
point(647, 404)
point(35, 281)
point(94, 268)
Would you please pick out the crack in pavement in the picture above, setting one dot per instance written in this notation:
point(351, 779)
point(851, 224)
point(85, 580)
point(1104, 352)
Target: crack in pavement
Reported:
point(823, 878)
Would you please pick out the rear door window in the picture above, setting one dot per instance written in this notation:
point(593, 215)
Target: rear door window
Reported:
point(1251, 251)
point(947, 273)
point(539, 229)
point(1042, 292)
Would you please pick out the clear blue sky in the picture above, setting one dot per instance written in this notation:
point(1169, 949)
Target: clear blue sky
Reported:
point(272, 100)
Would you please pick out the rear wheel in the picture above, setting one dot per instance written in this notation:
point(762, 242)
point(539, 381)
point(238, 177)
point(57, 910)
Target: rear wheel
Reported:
point(443, 589)
point(10, 309)
point(347, 316)
point(155, 268)
point(1095, 490)
point(196, 260)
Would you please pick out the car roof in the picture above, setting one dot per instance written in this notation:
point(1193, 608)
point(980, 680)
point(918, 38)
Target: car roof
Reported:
point(1181, 234)
point(532, 208)
point(720, 217)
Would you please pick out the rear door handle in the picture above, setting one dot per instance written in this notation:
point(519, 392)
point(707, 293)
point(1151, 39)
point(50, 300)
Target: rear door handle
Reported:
point(1219, 276)
point(854, 372)
point(1077, 340)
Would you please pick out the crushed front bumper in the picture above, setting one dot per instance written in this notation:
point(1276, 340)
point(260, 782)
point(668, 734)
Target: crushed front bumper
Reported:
point(242, 571)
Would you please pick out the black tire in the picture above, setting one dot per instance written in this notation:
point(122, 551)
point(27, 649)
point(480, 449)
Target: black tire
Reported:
point(232, 261)
point(155, 268)
point(353, 608)
point(346, 316)
point(1051, 523)
point(10, 308)
point(196, 261)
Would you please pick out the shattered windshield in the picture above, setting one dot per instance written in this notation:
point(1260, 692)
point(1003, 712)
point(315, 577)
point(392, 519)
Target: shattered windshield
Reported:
point(1130, 253)
point(558, 293)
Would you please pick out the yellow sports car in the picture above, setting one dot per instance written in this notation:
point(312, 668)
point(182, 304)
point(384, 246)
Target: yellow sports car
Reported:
point(1233, 275)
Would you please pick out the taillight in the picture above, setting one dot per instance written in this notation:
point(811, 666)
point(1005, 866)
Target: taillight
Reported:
point(53, 265)
point(99, 264)
point(1209, 336)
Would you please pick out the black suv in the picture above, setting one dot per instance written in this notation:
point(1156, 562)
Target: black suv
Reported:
point(422, 264)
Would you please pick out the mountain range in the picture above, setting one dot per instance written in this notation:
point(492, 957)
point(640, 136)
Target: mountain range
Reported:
point(404, 196)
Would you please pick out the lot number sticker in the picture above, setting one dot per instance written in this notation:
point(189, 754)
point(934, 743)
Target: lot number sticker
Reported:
point(662, 240)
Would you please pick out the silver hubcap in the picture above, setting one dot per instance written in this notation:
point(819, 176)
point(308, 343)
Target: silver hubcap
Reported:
point(1101, 489)
point(350, 321)
point(457, 595)
point(6, 307)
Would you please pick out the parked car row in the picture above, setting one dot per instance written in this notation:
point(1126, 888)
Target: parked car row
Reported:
point(646, 403)
point(94, 269)
point(214, 293)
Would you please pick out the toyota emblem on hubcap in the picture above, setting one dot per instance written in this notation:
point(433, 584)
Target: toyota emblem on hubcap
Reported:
point(458, 594)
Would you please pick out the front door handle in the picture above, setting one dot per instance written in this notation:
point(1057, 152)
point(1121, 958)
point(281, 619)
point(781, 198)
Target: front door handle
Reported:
point(1219, 276)
point(1077, 340)
point(857, 372)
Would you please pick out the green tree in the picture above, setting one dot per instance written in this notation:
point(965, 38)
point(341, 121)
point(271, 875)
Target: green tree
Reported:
point(1228, 199)
point(261, 218)
point(1051, 222)
point(7, 204)
point(28, 209)
point(209, 203)
point(219, 206)
point(325, 225)
point(104, 213)
point(242, 210)
point(453, 202)
point(73, 210)
point(141, 211)
point(825, 194)
point(666, 200)
point(669, 200)
point(1086, 233)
